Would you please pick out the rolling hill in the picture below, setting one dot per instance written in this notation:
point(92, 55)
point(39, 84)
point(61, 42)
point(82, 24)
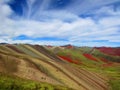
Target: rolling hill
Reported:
point(57, 68)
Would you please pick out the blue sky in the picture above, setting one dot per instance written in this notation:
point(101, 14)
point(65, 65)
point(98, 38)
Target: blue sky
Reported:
point(60, 22)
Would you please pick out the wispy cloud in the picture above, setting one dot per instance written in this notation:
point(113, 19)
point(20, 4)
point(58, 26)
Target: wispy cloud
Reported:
point(39, 20)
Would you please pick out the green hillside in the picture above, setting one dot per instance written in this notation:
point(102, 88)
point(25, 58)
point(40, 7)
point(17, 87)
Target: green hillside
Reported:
point(35, 67)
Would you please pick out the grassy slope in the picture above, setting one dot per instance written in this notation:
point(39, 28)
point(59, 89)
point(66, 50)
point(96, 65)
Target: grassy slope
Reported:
point(100, 54)
point(77, 55)
point(56, 71)
point(62, 74)
point(112, 72)
point(8, 82)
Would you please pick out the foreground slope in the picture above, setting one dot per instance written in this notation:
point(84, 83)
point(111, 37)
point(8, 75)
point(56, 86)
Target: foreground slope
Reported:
point(36, 63)
point(93, 60)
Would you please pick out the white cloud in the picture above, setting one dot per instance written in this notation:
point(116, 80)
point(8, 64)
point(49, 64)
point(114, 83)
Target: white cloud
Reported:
point(4, 10)
point(78, 31)
point(75, 6)
point(109, 10)
point(82, 29)
point(110, 21)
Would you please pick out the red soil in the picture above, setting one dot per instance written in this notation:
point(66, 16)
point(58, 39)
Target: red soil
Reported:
point(109, 50)
point(108, 64)
point(104, 60)
point(90, 57)
point(66, 58)
point(69, 46)
point(49, 46)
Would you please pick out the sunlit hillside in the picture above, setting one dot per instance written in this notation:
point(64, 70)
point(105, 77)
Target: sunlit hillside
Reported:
point(55, 68)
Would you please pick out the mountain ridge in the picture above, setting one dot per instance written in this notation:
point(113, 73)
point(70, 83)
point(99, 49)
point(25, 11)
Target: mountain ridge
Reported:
point(41, 63)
